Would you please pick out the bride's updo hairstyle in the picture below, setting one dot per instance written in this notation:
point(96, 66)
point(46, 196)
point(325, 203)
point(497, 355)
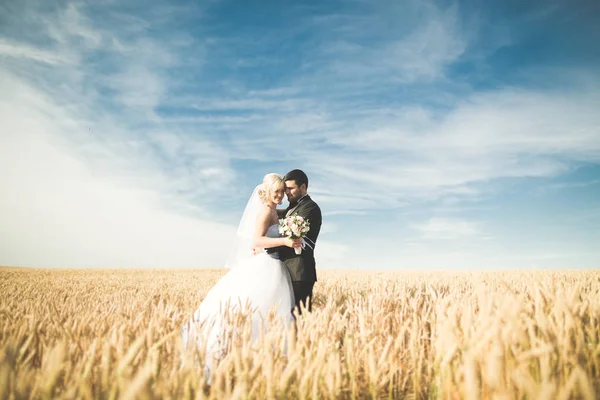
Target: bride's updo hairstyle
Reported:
point(271, 182)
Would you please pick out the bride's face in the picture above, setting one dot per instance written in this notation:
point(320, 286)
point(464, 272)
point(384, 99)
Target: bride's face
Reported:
point(277, 195)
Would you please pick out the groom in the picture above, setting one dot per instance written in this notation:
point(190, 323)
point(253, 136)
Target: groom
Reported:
point(302, 267)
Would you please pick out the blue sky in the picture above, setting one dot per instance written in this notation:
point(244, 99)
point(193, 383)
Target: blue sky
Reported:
point(436, 135)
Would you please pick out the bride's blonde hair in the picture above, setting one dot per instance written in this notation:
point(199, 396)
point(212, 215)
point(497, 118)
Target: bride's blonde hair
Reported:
point(271, 182)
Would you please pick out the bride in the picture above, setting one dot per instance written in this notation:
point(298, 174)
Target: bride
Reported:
point(255, 284)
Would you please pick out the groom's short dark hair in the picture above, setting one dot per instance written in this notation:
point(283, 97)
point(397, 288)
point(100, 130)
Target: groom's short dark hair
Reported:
point(296, 175)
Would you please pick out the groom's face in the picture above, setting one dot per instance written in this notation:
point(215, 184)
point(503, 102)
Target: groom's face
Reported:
point(293, 191)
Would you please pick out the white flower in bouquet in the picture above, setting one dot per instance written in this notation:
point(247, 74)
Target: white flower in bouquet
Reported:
point(294, 227)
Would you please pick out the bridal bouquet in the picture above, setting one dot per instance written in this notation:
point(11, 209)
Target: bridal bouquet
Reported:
point(294, 227)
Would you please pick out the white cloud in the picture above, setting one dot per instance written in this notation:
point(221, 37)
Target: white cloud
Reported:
point(74, 28)
point(370, 158)
point(86, 189)
point(19, 50)
point(84, 186)
point(332, 255)
point(366, 153)
point(425, 53)
point(486, 137)
point(214, 172)
point(408, 43)
point(447, 228)
point(568, 185)
point(56, 213)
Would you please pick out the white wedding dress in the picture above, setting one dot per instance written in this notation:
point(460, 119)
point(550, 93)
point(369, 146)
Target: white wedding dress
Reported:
point(261, 281)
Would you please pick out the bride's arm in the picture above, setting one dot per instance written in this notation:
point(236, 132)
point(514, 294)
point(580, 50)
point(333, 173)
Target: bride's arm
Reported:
point(264, 242)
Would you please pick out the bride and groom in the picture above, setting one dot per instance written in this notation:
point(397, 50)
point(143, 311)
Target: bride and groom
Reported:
point(265, 272)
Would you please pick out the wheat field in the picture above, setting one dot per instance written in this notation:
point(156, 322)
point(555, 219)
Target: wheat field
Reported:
point(110, 334)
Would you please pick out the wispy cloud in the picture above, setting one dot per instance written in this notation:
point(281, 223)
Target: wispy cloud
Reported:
point(421, 54)
point(445, 228)
point(19, 51)
point(439, 139)
point(417, 153)
point(56, 212)
point(106, 184)
point(569, 185)
point(486, 137)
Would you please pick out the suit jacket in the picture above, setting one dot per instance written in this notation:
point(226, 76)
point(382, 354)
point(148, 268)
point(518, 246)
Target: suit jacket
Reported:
point(303, 267)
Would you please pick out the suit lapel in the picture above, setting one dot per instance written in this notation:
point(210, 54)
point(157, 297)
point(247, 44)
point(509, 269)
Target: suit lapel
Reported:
point(291, 210)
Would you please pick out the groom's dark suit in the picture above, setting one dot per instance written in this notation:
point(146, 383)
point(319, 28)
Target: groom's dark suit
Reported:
point(303, 267)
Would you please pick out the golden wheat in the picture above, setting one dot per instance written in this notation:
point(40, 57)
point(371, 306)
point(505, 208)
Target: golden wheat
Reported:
point(453, 335)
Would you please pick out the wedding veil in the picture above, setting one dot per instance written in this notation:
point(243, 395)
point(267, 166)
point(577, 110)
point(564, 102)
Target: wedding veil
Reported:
point(242, 244)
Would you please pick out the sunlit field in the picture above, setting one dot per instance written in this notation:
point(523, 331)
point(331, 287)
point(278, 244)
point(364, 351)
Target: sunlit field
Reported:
point(451, 335)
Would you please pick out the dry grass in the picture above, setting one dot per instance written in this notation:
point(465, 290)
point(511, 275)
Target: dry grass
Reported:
point(115, 334)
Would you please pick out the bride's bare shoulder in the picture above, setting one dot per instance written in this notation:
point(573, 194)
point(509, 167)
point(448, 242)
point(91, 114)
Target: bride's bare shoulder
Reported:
point(264, 213)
